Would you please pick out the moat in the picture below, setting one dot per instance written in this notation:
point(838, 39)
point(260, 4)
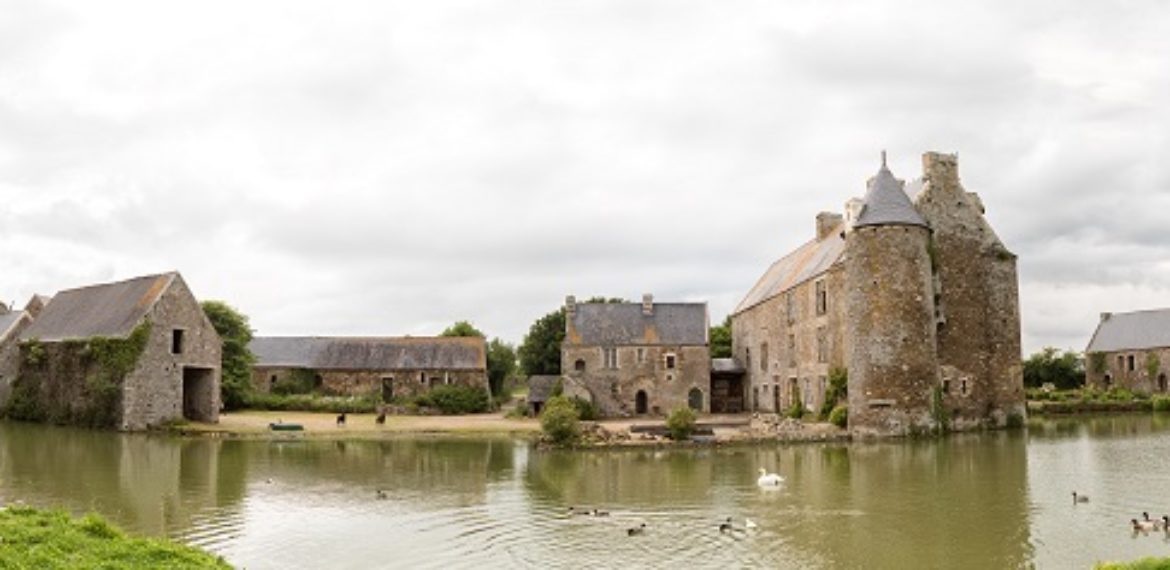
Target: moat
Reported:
point(992, 500)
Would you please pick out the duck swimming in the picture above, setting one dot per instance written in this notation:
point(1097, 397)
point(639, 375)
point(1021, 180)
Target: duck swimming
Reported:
point(1080, 498)
point(635, 531)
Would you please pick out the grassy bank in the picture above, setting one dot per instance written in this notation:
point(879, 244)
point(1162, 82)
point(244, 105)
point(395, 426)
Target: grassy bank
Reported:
point(1143, 564)
point(1088, 400)
point(32, 538)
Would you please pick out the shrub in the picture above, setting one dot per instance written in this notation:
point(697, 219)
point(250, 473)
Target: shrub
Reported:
point(837, 391)
point(1015, 421)
point(559, 421)
point(681, 423)
point(520, 410)
point(453, 399)
point(1162, 403)
point(796, 410)
point(312, 403)
point(298, 381)
point(839, 416)
point(585, 409)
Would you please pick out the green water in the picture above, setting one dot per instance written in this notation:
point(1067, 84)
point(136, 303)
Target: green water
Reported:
point(996, 500)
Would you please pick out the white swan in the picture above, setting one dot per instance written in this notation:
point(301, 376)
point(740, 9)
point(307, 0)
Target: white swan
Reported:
point(769, 479)
point(749, 523)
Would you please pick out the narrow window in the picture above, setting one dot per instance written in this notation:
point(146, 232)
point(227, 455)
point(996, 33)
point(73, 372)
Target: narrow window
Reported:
point(748, 360)
point(641, 355)
point(1131, 363)
point(670, 362)
point(946, 387)
point(177, 341)
point(822, 298)
point(422, 377)
point(609, 358)
point(579, 366)
point(764, 357)
point(790, 307)
point(963, 387)
point(822, 345)
point(791, 350)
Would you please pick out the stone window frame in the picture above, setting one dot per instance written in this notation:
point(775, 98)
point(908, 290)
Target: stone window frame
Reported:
point(609, 358)
point(792, 350)
point(822, 344)
point(640, 355)
point(763, 356)
point(178, 340)
point(1130, 362)
point(820, 297)
point(790, 307)
point(670, 361)
point(579, 365)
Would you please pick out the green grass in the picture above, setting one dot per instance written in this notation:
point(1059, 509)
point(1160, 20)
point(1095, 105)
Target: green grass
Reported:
point(32, 538)
point(1143, 564)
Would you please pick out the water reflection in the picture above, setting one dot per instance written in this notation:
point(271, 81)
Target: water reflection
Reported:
point(994, 500)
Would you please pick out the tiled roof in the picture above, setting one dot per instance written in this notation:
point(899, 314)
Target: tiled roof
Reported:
point(807, 262)
point(108, 309)
point(886, 203)
point(614, 324)
point(357, 353)
point(1132, 331)
point(540, 387)
point(9, 321)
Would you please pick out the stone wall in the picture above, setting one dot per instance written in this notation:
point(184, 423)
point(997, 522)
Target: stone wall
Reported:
point(976, 291)
point(893, 368)
point(1149, 374)
point(10, 359)
point(772, 383)
point(615, 390)
point(403, 383)
point(154, 391)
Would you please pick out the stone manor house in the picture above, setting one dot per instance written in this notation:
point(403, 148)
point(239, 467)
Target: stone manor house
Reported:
point(1130, 350)
point(910, 292)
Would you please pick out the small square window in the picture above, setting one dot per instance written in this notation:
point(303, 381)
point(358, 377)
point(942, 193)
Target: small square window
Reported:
point(670, 362)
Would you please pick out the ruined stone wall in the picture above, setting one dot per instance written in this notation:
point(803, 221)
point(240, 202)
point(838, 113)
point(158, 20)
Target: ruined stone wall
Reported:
point(977, 298)
point(773, 384)
point(614, 391)
point(1150, 373)
point(153, 392)
point(893, 367)
point(404, 383)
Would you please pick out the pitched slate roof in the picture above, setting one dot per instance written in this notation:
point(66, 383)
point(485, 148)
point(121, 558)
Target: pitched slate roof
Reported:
point(360, 353)
point(727, 365)
point(886, 202)
point(9, 321)
point(1132, 331)
point(617, 324)
point(807, 262)
point(108, 309)
point(540, 387)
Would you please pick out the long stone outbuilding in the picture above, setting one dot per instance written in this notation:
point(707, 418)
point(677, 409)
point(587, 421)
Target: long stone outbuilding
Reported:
point(1131, 351)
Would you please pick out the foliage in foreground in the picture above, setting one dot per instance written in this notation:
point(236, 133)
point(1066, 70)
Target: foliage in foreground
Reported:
point(559, 421)
point(1142, 564)
point(681, 423)
point(52, 539)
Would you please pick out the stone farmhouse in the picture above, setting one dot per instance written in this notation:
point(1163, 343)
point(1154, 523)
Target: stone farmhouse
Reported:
point(131, 354)
point(638, 358)
point(1130, 350)
point(916, 299)
point(389, 367)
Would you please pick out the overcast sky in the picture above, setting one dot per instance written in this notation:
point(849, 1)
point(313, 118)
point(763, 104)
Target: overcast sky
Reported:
point(387, 168)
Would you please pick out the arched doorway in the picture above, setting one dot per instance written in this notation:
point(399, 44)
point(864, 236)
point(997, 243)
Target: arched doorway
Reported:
point(695, 399)
point(641, 402)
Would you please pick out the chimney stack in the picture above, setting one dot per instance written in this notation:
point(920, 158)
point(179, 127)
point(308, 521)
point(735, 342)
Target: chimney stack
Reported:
point(647, 304)
point(941, 170)
point(1105, 316)
point(570, 305)
point(826, 223)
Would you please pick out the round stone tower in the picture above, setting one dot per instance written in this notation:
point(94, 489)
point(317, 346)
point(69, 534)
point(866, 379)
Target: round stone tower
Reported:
point(890, 320)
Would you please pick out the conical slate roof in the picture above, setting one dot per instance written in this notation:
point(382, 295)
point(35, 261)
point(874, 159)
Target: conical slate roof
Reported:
point(886, 203)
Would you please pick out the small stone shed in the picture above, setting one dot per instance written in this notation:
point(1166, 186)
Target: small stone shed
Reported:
point(391, 367)
point(540, 389)
point(131, 354)
point(1130, 350)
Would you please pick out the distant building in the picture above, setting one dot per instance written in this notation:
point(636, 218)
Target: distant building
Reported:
point(131, 354)
point(638, 358)
point(917, 299)
point(540, 388)
point(388, 367)
point(1130, 350)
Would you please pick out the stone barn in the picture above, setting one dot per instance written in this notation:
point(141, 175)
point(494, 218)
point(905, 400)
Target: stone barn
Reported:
point(132, 355)
point(910, 293)
point(638, 358)
point(386, 367)
point(1131, 351)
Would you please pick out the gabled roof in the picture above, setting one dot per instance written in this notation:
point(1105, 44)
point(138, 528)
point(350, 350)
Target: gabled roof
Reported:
point(540, 387)
point(1132, 331)
point(886, 202)
point(360, 353)
point(614, 324)
point(107, 310)
point(9, 321)
point(807, 262)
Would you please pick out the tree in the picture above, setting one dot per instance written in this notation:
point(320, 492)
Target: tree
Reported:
point(501, 363)
point(462, 328)
point(1064, 370)
point(540, 353)
point(721, 339)
point(236, 333)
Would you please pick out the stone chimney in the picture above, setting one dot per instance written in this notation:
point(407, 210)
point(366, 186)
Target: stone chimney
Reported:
point(852, 211)
point(1105, 316)
point(570, 305)
point(826, 223)
point(941, 170)
point(647, 304)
